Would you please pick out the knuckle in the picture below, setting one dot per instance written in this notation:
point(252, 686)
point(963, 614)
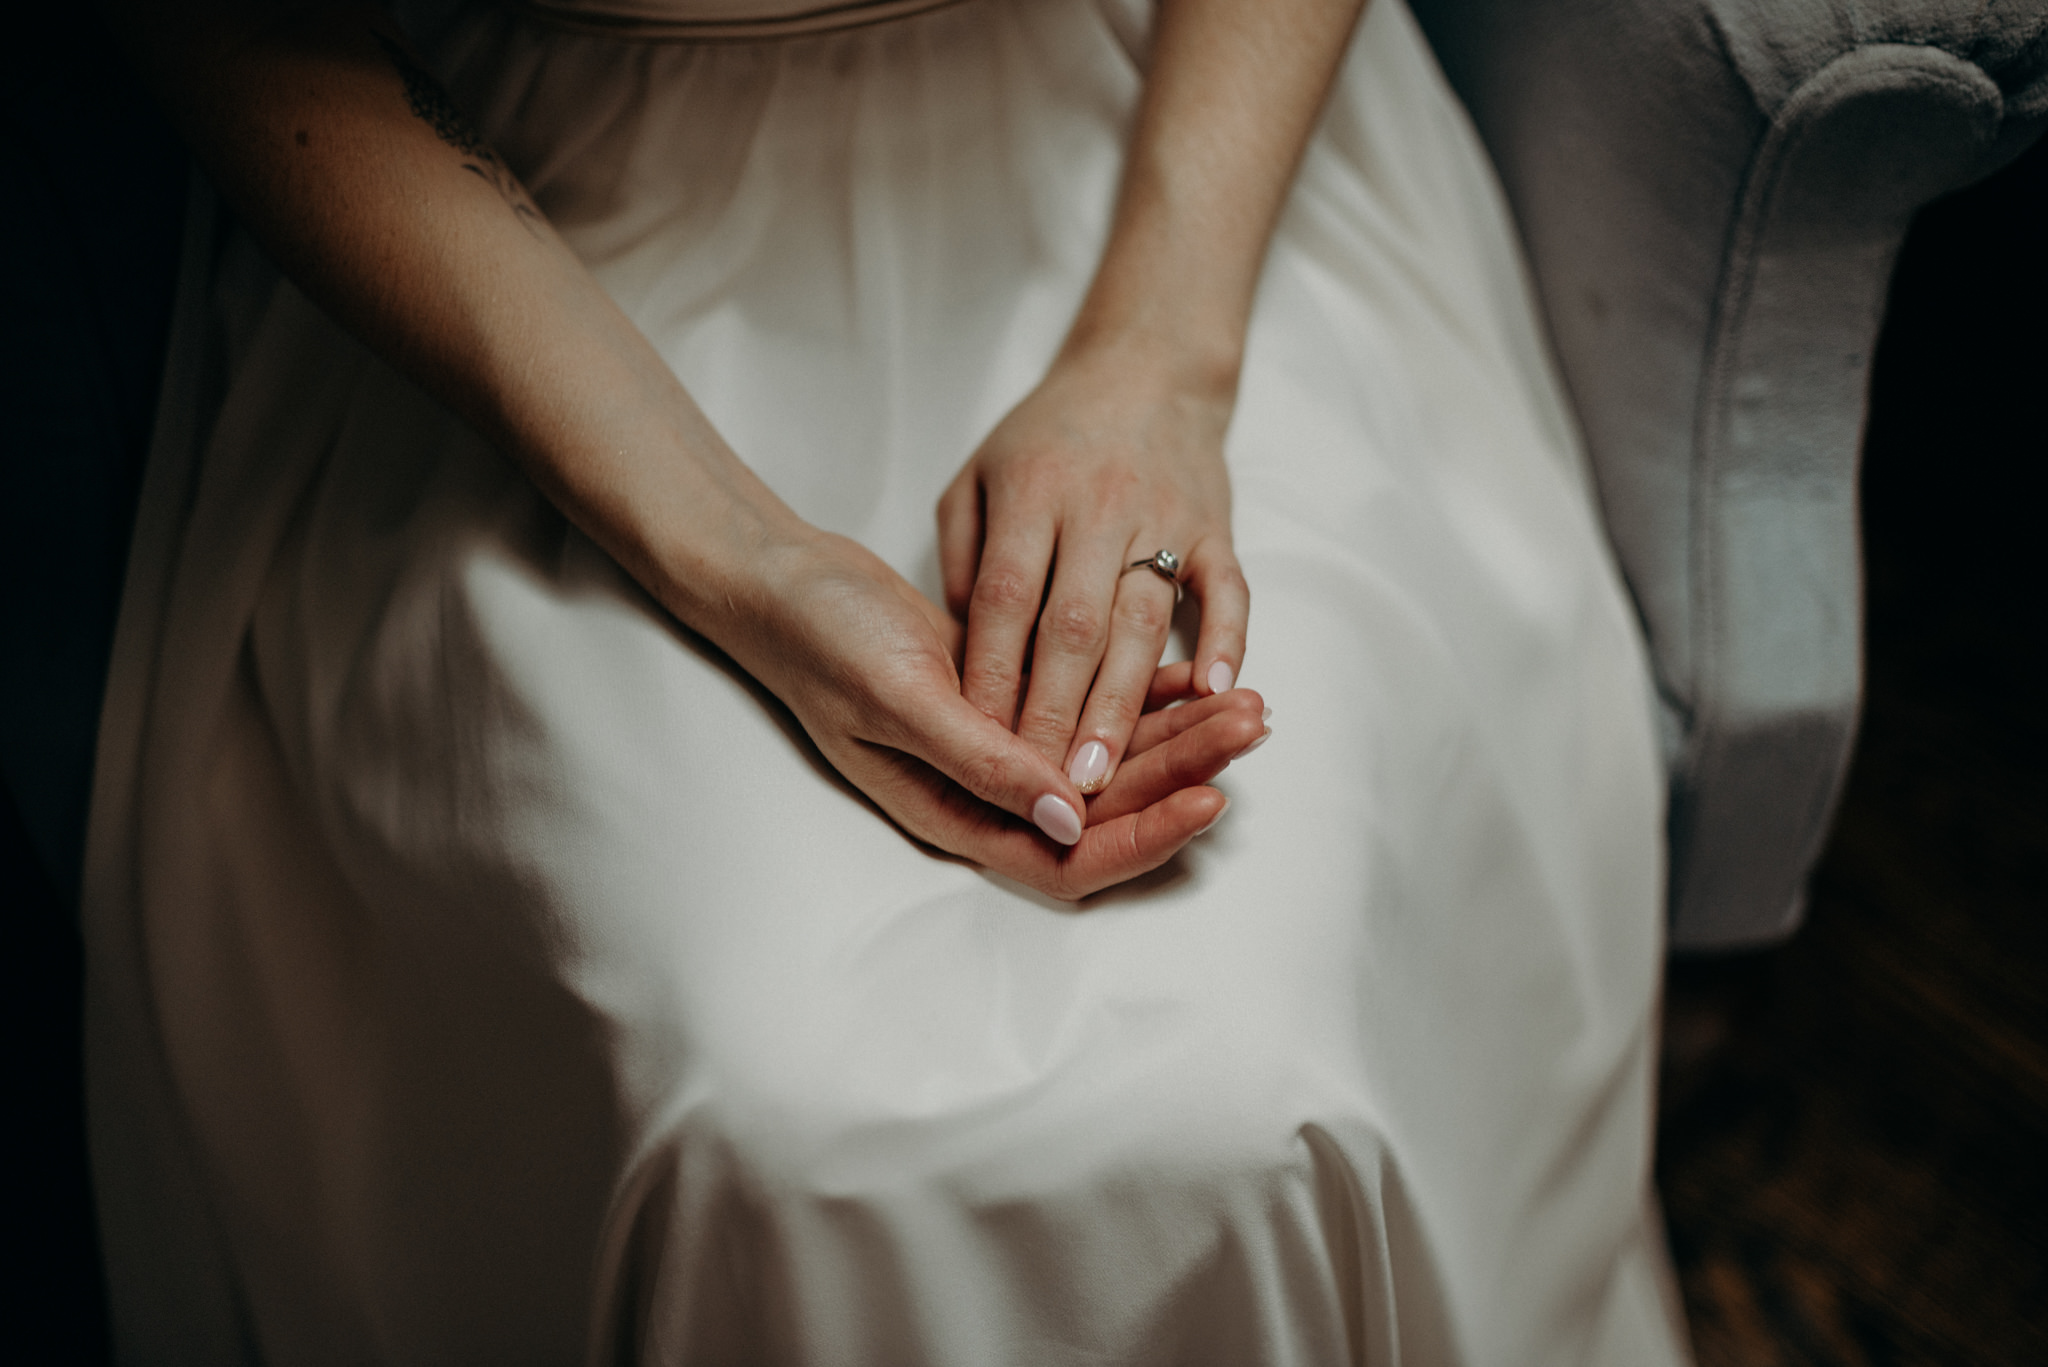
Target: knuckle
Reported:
point(990, 680)
point(980, 772)
point(1045, 730)
point(1005, 592)
point(1129, 848)
point(1118, 686)
point(1074, 624)
point(1040, 475)
point(1122, 852)
point(1114, 704)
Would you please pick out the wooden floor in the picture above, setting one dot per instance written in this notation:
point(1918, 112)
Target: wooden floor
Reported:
point(1854, 1147)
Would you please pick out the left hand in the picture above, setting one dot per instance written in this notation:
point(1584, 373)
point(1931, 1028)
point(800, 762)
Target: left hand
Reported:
point(1111, 458)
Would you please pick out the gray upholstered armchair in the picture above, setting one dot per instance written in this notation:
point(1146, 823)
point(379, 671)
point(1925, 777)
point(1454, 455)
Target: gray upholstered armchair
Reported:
point(1711, 194)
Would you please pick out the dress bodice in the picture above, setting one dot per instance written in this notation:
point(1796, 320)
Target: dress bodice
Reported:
point(710, 20)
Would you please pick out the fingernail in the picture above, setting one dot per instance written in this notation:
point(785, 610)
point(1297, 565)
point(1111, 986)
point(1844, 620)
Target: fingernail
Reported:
point(1220, 677)
point(1052, 815)
point(1090, 764)
point(1266, 715)
point(1263, 737)
point(1219, 814)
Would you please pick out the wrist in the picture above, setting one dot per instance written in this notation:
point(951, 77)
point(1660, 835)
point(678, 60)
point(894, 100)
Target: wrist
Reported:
point(1161, 354)
point(660, 490)
point(720, 568)
point(1168, 301)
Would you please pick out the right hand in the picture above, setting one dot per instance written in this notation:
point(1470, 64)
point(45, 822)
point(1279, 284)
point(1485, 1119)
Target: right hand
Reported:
point(868, 665)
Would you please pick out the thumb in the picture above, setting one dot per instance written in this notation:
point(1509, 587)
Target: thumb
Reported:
point(977, 752)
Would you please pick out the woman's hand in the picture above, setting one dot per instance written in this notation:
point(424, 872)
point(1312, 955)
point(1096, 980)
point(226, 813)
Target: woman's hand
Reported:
point(1113, 457)
point(1118, 454)
point(866, 664)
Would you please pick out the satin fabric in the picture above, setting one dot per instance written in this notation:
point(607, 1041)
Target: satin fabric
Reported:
point(483, 969)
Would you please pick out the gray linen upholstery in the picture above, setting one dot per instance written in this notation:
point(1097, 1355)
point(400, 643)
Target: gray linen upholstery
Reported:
point(1711, 194)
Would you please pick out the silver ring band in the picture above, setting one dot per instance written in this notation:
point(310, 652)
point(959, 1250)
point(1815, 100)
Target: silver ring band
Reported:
point(1163, 563)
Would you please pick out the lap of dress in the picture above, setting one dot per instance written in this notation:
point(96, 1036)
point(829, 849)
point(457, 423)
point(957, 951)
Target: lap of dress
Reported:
point(484, 969)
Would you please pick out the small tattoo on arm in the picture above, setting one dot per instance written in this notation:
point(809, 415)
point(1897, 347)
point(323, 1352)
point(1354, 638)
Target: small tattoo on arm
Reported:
point(431, 104)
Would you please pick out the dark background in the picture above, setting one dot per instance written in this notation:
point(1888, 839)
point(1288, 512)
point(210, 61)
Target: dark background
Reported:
point(91, 189)
point(1854, 1125)
point(1854, 1143)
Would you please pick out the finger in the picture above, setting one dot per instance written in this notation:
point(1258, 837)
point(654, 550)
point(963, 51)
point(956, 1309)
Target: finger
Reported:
point(1216, 580)
point(961, 527)
point(1137, 636)
point(985, 759)
point(1188, 760)
point(1073, 631)
point(1009, 586)
point(1171, 684)
point(1139, 842)
point(941, 813)
point(1156, 728)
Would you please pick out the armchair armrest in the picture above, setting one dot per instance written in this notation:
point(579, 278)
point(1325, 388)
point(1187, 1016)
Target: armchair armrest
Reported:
point(1711, 194)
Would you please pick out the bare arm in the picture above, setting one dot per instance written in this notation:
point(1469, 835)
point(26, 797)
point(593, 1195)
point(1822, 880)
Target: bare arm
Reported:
point(353, 168)
point(1235, 89)
point(360, 176)
point(1119, 452)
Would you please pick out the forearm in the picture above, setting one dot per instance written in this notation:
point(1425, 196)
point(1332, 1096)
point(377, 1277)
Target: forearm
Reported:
point(1233, 93)
point(352, 169)
point(361, 179)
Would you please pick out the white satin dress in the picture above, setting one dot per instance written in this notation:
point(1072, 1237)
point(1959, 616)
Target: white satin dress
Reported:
point(482, 970)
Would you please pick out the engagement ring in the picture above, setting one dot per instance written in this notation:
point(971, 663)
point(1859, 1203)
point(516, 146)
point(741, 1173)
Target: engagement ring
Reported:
point(1163, 563)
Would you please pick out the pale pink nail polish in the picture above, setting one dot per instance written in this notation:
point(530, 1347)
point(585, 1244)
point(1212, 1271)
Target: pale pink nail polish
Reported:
point(1266, 715)
point(1052, 815)
point(1089, 766)
point(1218, 817)
point(1263, 737)
point(1220, 677)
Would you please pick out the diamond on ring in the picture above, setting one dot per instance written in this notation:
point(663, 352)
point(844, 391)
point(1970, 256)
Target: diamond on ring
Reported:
point(1163, 563)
